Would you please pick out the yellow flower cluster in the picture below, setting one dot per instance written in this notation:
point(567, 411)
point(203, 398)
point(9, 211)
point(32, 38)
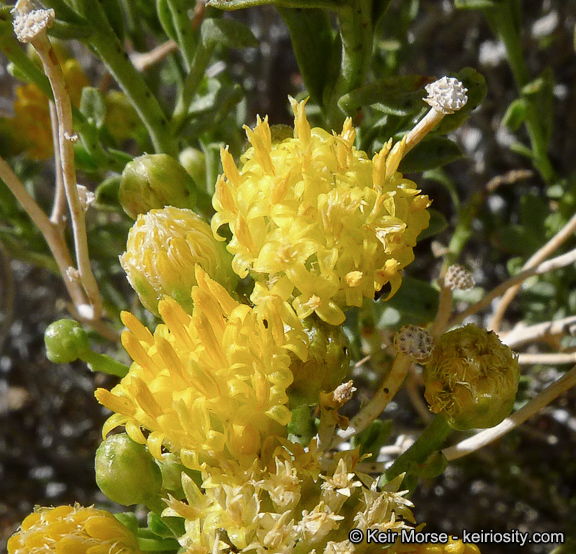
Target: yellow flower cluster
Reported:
point(212, 385)
point(283, 505)
point(74, 530)
point(316, 221)
point(162, 249)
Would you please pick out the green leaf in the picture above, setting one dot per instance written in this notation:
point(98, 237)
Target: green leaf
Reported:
point(517, 240)
point(313, 42)
point(165, 18)
point(476, 4)
point(93, 106)
point(107, 193)
point(515, 114)
point(228, 32)
point(522, 149)
point(398, 95)
point(432, 152)
point(541, 92)
point(373, 438)
point(437, 224)
point(416, 300)
point(64, 30)
point(128, 519)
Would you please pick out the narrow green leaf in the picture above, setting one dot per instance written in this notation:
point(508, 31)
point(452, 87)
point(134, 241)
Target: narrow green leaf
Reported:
point(64, 30)
point(228, 32)
point(398, 95)
point(165, 18)
point(430, 153)
point(416, 300)
point(476, 4)
point(437, 224)
point(313, 43)
point(515, 114)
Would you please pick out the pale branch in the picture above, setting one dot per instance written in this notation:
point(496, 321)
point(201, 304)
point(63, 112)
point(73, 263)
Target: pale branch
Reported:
point(487, 436)
point(551, 246)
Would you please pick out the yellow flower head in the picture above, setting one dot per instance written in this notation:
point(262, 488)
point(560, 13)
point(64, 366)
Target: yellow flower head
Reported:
point(210, 386)
point(72, 529)
point(472, 378)
point(162, 250)
point(317, 221)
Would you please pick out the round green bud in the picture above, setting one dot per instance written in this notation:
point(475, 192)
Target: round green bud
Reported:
point(471, 378)
point(155, 181)
point(122, 120)
point(65, 341)
point(126, 472)
point(194, 162)
point(326, 365)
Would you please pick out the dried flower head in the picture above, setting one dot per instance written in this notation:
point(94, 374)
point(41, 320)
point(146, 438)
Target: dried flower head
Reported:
point(28, 26)
point(414, 342)
point(315, 220)
point(446, 95)
point(458, 278)
point(471, 378)
point(162, 251)
point(72, 529)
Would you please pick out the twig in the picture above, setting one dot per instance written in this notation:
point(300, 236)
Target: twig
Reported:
point(30, 27)
point(552, 245)
point(142, 61)
point(547, 358)
point(521, 334)
point(47, 228)
point(376, 406)
point(483, 438)
point(545, 267)
point(415, 395)
point(59, 207)
point(444, 310)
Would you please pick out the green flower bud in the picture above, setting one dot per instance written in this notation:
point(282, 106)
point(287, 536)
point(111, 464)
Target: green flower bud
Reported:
point(126, 472)
point(326, 365)
point(65, 341)
point(472, 378)
point(161, 253)
point(194, 162)
point(154, 181)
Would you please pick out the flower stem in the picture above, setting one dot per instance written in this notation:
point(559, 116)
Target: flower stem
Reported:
point(381, 399)
point(431, 440)
point(65, 147)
